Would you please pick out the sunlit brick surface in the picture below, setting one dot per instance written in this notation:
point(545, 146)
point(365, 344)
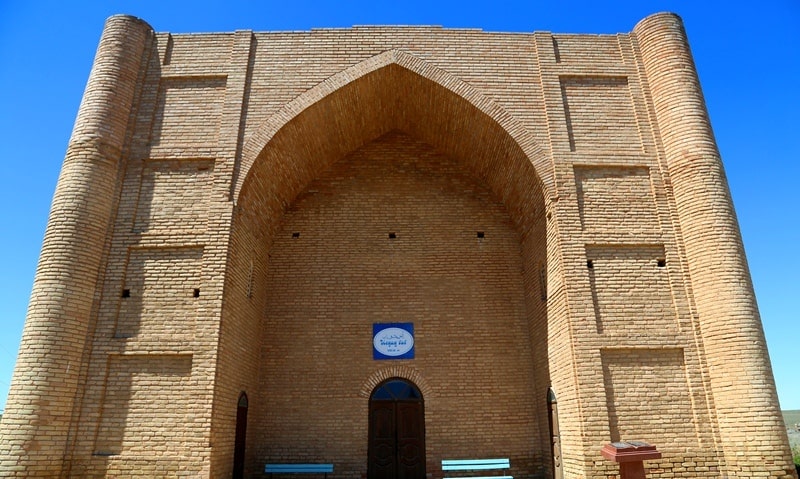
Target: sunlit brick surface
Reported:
point(236, 210)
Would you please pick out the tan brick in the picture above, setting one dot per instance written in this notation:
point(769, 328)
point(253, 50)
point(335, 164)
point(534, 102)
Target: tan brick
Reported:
point(560, 221)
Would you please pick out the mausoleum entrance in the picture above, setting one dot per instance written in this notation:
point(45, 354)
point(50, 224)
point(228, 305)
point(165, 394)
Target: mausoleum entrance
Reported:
point(396, 448)
point(432, 219)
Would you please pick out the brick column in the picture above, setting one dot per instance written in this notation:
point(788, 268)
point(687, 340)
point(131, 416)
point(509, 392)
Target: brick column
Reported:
point(740, 376)
point(44, 388)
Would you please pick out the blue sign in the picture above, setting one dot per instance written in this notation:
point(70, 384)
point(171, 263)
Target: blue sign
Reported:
point(393, 341)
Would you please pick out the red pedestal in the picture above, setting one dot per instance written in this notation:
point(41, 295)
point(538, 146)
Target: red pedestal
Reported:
point(630, 456)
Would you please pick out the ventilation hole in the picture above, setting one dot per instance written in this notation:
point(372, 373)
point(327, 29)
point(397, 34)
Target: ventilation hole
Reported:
point(295, 235)
point(661, 263)
point(104, 453)
point(126, 293)
point(392, 235)
point(196, 293)
point(480, 234)
point(590, 264)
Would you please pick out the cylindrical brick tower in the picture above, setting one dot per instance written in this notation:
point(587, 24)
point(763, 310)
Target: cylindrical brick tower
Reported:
point(36, 422)
point(740, 375)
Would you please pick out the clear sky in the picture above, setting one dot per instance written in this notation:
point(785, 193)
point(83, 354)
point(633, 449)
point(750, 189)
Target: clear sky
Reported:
point(747, 56)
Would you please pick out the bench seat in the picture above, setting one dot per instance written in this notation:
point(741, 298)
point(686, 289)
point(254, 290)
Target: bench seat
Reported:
point(298, 469)
point(476, 465)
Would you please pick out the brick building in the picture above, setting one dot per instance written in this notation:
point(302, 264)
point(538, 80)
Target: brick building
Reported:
point(246, 223)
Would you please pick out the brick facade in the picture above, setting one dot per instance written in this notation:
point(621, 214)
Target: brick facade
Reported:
point(236, 211)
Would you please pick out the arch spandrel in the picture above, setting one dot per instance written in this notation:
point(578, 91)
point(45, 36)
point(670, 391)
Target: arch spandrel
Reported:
point(395, 91)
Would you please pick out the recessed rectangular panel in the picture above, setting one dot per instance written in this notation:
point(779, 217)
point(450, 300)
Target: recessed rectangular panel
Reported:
point(631, 291)
point(147, 406)
point(188, 114)
point(174, 196)
point(215, 52)
point(603, 51)
point(600, 115)
point(648, 398)
point(616, 201)
point(160, 300)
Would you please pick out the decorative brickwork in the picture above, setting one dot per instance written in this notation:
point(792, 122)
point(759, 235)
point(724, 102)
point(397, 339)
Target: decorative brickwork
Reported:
point(237, 210)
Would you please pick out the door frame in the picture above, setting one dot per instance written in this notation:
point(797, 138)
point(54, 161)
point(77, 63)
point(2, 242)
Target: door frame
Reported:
point(404, 396)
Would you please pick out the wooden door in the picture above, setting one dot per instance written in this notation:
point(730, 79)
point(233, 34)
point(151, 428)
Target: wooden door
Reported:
point(382, 441)
point(410, 440)
point(396, 448)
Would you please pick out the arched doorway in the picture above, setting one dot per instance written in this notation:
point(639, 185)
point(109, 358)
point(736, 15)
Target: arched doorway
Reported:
point(241, 434)
point(396, 431)
point(555, 434)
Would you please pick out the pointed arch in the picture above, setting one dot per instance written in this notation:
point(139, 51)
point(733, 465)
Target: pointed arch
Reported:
point(391, 95)
point(394, 91)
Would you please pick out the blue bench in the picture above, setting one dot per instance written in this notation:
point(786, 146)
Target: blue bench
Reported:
point(298, 469)
point(476, 465)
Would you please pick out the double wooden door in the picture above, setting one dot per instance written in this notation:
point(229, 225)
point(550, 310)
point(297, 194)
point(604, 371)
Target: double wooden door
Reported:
point(396, 432)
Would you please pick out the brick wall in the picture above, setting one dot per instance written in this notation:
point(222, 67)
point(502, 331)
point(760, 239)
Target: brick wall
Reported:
point(548, 200)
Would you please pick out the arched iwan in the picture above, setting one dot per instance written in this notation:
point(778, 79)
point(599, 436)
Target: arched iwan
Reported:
point(392, 97)
point(394, 91)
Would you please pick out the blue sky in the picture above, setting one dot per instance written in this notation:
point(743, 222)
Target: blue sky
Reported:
point(747, 56)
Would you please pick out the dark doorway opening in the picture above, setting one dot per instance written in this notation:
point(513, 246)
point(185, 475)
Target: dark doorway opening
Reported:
point(241, 435)
point(396, 431)
point(555, 435)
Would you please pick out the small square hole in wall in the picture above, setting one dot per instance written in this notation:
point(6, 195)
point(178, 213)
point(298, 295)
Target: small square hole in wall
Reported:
point(295, 235)
point(661, 262)
point(590, 264)
point(196, 293)
point(126, 293)
point(480, 234)
point(392, 235)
